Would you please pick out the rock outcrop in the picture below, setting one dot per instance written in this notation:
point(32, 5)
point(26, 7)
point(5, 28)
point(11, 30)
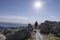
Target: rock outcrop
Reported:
point(50, 27)
point(22, 35)
point(2, 37)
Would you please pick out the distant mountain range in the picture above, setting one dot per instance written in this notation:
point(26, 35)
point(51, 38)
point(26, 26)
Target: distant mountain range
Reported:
point(7, 24)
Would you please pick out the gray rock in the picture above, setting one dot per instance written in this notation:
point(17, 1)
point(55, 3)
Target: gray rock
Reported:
point(2, 37)
point(22, 35)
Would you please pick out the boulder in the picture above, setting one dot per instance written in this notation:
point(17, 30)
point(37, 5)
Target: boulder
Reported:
point(22, 35)
point(10, 36)
point(2, 37)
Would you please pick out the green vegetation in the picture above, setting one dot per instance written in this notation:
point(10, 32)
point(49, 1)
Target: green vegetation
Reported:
point(15, 29)
point(50, 37)
point(47, 37)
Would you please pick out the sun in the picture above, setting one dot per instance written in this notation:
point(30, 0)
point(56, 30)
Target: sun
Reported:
point(38, 4)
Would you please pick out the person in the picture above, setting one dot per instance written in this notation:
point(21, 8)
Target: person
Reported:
point(36, 25)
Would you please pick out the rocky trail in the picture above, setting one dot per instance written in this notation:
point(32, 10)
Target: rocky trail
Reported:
point(37, 35)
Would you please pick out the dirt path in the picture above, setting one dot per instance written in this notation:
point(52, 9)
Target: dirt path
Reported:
point(37, 35)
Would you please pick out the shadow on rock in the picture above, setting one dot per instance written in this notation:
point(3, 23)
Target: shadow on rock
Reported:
point(22, 35)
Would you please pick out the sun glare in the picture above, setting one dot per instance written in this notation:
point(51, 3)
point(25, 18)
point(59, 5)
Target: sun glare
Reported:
point(38, 4)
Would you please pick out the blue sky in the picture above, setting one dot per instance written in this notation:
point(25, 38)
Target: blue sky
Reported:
point(22, 11)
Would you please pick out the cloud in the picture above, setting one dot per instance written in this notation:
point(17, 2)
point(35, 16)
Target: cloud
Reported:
point(16, 19)
point(52, 16)
point(26, 20)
